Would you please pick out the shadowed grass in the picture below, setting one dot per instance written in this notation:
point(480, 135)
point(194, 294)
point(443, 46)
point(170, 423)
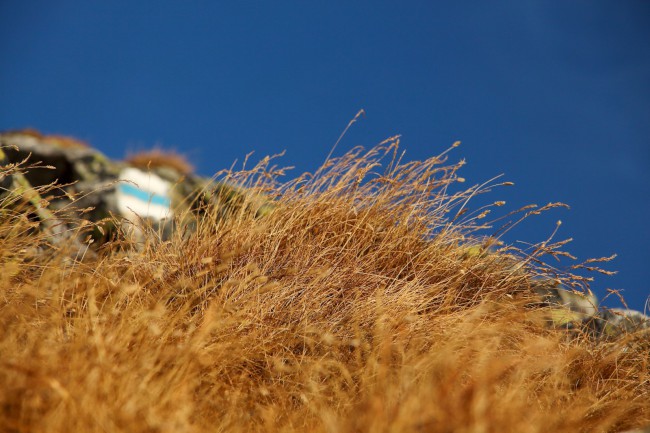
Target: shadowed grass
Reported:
point(352, 307)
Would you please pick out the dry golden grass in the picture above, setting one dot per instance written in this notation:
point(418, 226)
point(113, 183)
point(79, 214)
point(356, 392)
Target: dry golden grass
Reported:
point(353, 307)
point(160, 158)
point(52, 139)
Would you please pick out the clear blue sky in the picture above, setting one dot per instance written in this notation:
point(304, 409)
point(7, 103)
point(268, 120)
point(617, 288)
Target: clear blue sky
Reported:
point(554, 94)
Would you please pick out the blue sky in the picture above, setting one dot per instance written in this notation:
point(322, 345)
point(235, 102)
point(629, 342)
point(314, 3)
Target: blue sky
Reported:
point(554, 94)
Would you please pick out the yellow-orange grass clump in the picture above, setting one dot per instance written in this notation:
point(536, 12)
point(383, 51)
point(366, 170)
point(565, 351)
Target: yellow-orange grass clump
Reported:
point(352, 307)
point(52, 139)
point(160, 158)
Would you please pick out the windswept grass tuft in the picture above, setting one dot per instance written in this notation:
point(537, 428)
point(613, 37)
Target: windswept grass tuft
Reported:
point(353, 306)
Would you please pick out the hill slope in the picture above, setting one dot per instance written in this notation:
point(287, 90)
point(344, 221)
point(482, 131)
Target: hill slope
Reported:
point(358, 304)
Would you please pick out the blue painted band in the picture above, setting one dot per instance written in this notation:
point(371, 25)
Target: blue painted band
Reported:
point(144, 196)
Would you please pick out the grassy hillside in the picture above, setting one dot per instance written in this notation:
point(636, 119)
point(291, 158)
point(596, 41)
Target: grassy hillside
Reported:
point(357, 305)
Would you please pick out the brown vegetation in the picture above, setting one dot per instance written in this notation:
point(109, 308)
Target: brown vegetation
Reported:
point(353, 307)
point(160, 158)
point(52, 139)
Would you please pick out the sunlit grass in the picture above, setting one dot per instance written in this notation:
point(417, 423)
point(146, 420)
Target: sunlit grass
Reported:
point(353, 306)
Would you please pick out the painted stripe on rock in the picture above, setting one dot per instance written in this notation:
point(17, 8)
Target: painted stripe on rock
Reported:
point(147, 197)
point(143, 194)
